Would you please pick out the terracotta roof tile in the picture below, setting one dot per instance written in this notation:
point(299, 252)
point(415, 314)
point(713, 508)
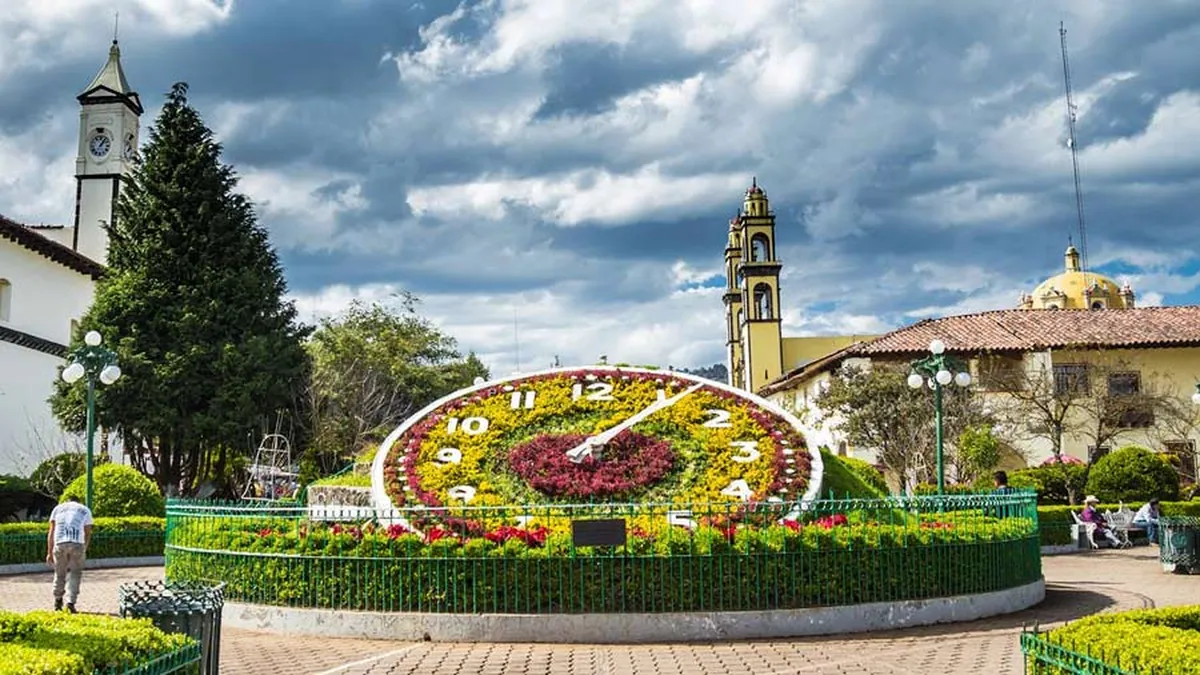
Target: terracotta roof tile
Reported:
point(1036, 329)
point(38, 243)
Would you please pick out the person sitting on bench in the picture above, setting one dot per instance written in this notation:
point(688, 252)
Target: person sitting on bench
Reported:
point(1147, 519)
point(1092, 515)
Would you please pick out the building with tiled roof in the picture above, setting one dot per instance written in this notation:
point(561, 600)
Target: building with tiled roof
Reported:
point(1132, 350)
point(48, 272)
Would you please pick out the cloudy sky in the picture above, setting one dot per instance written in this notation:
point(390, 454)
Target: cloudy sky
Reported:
point(570, 166)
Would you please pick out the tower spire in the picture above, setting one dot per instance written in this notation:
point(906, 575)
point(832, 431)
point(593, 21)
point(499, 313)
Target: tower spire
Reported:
point(116, 25)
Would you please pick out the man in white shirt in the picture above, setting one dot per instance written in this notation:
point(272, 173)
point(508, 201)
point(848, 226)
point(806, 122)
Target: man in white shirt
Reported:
point(1147, 517)
point(66, 549)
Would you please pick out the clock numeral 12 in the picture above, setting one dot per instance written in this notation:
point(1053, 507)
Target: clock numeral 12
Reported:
point(738, 488)
point(523, 399)
point(472, 426)
point(747, 451)
point(597, 391)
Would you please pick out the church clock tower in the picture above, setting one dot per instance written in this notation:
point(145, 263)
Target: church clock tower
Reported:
point(108, 139)
point(754, 332)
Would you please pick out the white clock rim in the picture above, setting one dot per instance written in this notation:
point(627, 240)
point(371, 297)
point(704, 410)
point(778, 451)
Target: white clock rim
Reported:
point(93, 140)
point(383, 502)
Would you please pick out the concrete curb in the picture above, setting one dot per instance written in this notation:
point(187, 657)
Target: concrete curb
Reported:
point(631, 628)
point(1063, 549)
point(89, 564)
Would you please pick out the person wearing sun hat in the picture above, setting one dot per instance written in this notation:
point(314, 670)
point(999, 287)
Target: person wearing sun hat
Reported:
point(1092, 515)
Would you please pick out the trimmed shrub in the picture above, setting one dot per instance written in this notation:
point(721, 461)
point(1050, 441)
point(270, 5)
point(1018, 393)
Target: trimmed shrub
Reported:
point(843, 482)
point(1163, 641)
point(118, 490)
point(867, 472)
point(1054, 483)
point(55, 643)
point(1132, 474)
point(134, 537)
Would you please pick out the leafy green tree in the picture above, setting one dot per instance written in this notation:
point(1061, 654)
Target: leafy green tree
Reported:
point(193, 304)
point(372, 366)
point(977, 452)
point(1133, 474)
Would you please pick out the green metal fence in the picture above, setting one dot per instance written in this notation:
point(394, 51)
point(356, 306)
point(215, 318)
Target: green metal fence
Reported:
point(16, 549)
point(183, 660)
point(672, 557)
point(1046, 655)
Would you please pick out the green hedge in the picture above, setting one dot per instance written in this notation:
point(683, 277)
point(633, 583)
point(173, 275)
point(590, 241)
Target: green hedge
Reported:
point(131, 537)
point(835, 560)
point(56, 643)
point(1162, 641)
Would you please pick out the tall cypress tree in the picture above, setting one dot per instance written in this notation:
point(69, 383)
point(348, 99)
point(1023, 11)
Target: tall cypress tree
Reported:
point(193, 304)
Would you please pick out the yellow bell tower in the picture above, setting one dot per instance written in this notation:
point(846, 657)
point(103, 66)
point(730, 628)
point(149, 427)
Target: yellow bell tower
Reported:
point(755, 332)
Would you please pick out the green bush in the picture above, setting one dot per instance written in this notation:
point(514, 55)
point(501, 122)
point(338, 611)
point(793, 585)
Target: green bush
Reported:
point(118, 490)
point(843, 482)
point(1133, 473)
point(1163, 641)
point(53, 476)
point(867, 472)
point(348, 479)
point(55, 643)
point(1054, 483)
point(133, 537)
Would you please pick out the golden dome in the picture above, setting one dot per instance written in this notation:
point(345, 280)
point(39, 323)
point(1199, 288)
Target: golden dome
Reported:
point(1076, 289)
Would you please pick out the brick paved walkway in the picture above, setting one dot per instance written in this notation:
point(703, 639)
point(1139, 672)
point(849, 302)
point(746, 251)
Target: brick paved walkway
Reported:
point(1077, 586)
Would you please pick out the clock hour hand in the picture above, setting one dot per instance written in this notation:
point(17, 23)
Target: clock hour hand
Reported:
point(597, 442)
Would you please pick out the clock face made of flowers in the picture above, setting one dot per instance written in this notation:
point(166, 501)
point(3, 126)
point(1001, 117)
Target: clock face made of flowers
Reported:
point(596, 434)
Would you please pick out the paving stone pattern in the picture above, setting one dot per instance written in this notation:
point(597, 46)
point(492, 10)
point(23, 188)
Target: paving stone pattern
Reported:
point(1077, 585)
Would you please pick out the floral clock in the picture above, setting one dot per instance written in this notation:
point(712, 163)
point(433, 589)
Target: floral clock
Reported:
point(596, 434)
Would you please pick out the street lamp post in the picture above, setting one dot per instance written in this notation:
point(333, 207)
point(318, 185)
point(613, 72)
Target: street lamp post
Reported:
point(96, 363)
point(934, 371)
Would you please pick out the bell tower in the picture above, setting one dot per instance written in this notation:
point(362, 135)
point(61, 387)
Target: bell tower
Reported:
point(734, 310)
point(752, 311)
point(109, 115)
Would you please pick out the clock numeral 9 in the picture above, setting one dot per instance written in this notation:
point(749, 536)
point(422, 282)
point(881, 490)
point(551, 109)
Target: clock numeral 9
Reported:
point(738, 488)
point(596, 391)
point(523, 399)
point(472, 426)
point(747, 451)
point(448, 456)
point(720, 419)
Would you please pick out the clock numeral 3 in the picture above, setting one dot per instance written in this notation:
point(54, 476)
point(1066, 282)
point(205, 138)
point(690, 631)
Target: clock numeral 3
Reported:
point(472, 426)
point(720, 419)
point(596, 391)
point(747, 451)
point(447, 456)
point(523, 399)
point(738, 488)
point(465, 493)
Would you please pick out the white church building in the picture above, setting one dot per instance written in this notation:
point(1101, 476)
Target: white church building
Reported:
point(48, 272)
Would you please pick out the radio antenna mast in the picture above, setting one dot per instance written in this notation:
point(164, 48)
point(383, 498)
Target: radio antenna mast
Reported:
point(1071, 143)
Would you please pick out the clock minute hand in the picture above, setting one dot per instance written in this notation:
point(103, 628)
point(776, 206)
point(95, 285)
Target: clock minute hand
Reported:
point(586, 448)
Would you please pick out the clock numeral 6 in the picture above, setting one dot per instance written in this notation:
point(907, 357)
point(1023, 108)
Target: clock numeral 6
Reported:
point(465, 493)
point(720, 419)
point(747, 451)
point(447, 456)
point(681, 518)
point(523, 399)
point(472, 426)
point(596, 391)
point(738, 488)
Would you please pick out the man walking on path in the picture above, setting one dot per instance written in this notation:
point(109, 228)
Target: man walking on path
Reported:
point(66, 549)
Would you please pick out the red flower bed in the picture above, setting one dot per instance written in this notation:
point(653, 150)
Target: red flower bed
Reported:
point(629, 462)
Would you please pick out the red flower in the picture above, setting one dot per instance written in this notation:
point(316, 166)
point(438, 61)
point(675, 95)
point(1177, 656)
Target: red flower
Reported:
point(630, 462)
point(532, 537)
point(266, 532)
point(435, 533)
point(829, 522)
point(936, 525)
point(793, 525)
point(396, 531)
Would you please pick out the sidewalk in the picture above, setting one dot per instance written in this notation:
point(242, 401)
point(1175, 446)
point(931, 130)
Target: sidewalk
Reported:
point(1077, 585)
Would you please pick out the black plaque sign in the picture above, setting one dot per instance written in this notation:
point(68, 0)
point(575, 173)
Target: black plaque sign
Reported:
point(609, 532)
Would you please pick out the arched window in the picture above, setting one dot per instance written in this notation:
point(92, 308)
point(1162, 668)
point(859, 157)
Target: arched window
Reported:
point(762, 302)
point(5, 300)
point(1098, 305)
point(741, 316)
point(760, 248)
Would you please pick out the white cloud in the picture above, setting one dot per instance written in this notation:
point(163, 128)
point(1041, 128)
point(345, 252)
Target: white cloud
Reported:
point(593, 196)
point(294, 196)
point(37, 187)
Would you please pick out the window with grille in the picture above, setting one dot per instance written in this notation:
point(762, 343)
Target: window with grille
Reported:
point(1071, 378)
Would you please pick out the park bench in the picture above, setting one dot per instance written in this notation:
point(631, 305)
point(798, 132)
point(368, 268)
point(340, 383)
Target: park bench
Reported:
point(1082, 532)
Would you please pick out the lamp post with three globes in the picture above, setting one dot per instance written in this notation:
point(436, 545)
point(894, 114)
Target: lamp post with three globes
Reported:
point(96, 363)
point(934, 371)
